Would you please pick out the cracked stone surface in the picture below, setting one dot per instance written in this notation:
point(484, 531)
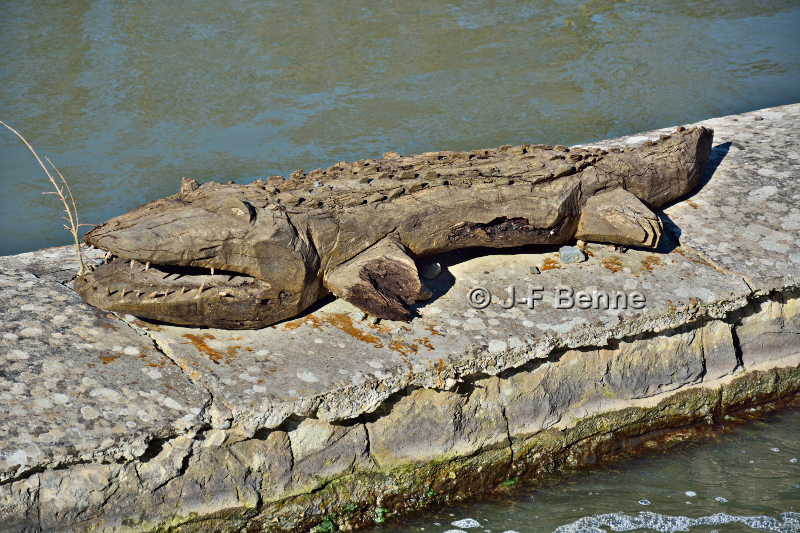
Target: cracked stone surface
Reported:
point(78, 385)
point(117, 422)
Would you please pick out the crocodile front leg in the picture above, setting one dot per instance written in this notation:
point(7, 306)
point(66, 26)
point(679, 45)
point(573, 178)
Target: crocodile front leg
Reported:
point(382, 280)
point(619, 217)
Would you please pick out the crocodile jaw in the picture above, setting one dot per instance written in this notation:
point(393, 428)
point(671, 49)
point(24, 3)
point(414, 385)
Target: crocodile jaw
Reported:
point(187, 265)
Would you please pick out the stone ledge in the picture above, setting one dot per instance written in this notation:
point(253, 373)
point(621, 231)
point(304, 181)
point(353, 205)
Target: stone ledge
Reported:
point(117, 424)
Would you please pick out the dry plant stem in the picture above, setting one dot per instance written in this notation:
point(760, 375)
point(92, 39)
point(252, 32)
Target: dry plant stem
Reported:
point(72, 214)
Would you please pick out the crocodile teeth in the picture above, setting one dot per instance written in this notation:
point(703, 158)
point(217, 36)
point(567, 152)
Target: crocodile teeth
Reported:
point(108, 291)
point(138, 293)
point(212, 271)
point(196, 296)
point(152, 295)
point(121, 296)
point(132, 263)
point(183, 289)
point(147, 266)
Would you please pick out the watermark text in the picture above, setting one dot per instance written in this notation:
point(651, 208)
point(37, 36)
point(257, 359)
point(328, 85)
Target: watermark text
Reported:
point(563, 298)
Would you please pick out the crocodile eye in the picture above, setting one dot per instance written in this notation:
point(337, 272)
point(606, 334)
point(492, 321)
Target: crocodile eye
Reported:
point(237, 208)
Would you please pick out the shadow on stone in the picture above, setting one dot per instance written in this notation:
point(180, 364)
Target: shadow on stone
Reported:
point(445, 281)
point(718, 153)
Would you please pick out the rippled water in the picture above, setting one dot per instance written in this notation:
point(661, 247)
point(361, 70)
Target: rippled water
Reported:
point(126, 97)
point(742, 480)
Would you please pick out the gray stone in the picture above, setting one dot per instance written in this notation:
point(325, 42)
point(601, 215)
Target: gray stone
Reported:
point(79, 385)
point(430, 270)
point(269, 459)
point(430, 425)
point(772, 331)
point(322, 451)
point(570, 254)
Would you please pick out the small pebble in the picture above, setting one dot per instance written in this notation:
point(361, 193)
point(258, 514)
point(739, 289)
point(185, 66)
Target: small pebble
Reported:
point(317, 184)
point(793, 460)
point(720, 499)
point(535, 270)
point(430, 270)
point(690, 493)
point(644, 502)
point(775, 449)
point(570, 254)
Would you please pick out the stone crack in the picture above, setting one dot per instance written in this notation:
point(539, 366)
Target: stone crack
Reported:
point(720, 268)
point(164, 350)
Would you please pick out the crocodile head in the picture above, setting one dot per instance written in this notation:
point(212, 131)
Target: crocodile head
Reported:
point(211, 256)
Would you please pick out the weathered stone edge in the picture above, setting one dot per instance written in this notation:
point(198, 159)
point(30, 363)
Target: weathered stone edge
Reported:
point(224, 480)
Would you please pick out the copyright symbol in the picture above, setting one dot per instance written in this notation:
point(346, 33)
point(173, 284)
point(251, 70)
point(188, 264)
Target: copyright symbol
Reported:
point(479, 298)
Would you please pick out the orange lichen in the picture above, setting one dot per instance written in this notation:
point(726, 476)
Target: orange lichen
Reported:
point(432, 331)
point(108, 358)
point(439, 370)
point(694, 205)
point(425, 341)
point(403, 350)
point(612, 263)
point(650, 262)
point(338, 320)
point(550, 264)
point(199, 342)
point(293, 324)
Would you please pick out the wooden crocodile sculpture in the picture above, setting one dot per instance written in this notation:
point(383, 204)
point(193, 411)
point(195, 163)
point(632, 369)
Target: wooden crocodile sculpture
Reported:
point(274, 248)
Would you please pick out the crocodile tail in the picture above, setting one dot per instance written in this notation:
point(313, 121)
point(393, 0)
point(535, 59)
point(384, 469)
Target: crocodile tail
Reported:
point(663, 171)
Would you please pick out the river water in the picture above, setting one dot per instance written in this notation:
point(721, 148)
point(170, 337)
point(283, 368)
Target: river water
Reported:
point(128, 96)
point(743, 479)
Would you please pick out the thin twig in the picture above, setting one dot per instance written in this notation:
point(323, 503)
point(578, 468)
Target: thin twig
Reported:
point(74, 224)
